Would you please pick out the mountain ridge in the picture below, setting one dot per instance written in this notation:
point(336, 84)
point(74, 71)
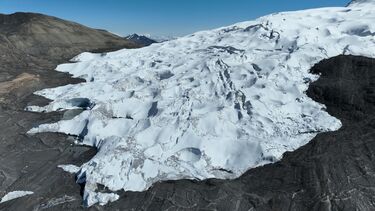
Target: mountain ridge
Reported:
point(28, 34)
point(24, 17)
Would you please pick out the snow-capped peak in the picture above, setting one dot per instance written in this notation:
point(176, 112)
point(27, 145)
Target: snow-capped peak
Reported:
point(143, 40)
point(132, 36)
point(211, 104)
point(137, 36)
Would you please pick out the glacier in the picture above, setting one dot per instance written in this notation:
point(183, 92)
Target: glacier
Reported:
point(212, 104)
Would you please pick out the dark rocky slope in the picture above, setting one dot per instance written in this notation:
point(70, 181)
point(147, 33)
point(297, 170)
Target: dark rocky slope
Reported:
point(335, 171)
point(31, 45)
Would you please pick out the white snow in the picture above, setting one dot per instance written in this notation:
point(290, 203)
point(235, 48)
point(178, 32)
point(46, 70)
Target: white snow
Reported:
point(91, 197)
point(361, 3)
point(15, 194)
point(209, 105)
point(69, 168)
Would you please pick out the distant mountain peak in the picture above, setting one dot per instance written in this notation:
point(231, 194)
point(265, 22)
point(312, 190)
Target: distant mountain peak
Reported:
point(132, 36)
point(140, 39)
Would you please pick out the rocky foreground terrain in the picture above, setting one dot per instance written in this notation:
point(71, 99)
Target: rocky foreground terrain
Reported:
point(335, 171)
point(31, 45)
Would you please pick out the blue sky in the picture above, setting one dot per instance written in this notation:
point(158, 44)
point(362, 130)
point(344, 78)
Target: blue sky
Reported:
point(160, 17)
